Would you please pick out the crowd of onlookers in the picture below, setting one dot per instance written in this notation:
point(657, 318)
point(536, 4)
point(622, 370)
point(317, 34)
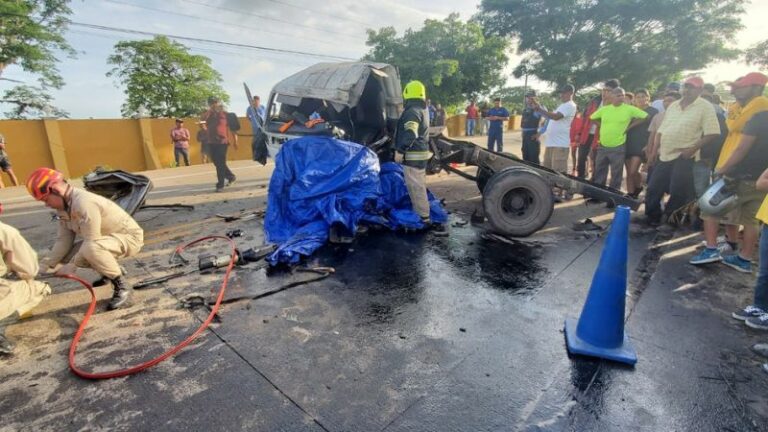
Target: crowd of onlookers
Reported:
point(669, 149)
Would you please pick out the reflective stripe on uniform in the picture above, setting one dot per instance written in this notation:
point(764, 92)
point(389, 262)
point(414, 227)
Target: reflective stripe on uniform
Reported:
point(417, 155)
point(412, 126)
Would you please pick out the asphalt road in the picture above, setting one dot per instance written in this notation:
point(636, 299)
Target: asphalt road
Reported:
point(412, 332)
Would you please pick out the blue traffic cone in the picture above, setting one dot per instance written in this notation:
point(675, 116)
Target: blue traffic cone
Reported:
point(599, 331)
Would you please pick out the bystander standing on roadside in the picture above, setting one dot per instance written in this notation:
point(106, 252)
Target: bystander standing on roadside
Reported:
point(575, 128)
point(180, 138)
point(652, 148)
point(614, 119)
point(497, 116)
point(743, 158)
point(529, 124)
point(202, 138)
point(472, 115)
point(5, 164)
point(637, 139)
point(439, 115)
point(659, 103)
point(688, 125)
point(589, 135)
point(557, 140)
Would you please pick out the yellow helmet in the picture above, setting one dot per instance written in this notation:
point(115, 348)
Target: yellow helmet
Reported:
point(415, 90)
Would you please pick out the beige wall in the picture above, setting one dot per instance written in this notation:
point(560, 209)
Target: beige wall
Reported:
point(76, 147)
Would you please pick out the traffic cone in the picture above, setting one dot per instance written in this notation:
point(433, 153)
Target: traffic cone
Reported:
point(599, 331)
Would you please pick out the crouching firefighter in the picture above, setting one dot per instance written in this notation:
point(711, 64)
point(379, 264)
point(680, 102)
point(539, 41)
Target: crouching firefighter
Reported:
point(411, 145)
point(20, 295)
point(107, 232)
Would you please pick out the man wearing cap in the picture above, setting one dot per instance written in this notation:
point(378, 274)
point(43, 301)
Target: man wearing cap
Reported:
point(688, 125)
point(5, 164)
point(180, 138)
point(219, 138)
point(497, 115)
point(743, 158)
point(202, 138)
point(588, 137)
point(530, 122)
point(20, 295)
point(557, 139)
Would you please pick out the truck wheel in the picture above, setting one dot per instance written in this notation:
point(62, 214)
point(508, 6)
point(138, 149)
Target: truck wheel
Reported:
point(517, 202)
point(482, 177)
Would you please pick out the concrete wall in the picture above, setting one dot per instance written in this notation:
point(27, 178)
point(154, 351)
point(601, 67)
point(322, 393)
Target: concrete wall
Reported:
point(75, 147)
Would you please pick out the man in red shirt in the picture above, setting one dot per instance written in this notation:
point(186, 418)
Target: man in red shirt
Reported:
point(218, 141)
point(180, 138)
point(471, 118)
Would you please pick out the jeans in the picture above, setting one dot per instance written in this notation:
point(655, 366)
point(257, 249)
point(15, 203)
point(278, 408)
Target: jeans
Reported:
point(495, 137)
point(702, 175)
point(613, 158)
point(470, 127)
point(181, 152)
point(219, 157)
point(674, 177)
point(761, 287)
point(583, 156)
point(531, 147)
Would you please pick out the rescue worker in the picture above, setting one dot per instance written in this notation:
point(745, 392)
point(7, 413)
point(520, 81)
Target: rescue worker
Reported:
point(17, 297)
point(107, 231)
point(411, 145)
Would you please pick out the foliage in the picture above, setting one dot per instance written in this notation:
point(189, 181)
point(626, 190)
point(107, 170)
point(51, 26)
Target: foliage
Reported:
point(31, 33)
point(452, 58)
point(758, 55)
point(30, 102)
point(162, 78)
point(640, 42)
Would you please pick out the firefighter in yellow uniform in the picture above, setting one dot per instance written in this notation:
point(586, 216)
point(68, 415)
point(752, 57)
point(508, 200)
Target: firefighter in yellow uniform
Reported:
point(412, 147)
point(17, 297)
point(107, 231)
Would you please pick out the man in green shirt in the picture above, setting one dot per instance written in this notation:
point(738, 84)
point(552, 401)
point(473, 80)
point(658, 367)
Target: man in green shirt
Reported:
point(615, 119)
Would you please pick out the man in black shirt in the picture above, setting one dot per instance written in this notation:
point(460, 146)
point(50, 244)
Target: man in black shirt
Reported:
point(530, 127)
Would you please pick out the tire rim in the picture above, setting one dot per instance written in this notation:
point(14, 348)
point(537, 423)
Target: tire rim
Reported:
point(517, 203)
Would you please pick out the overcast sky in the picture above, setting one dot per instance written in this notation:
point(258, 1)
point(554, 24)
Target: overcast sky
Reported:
point(334, 28)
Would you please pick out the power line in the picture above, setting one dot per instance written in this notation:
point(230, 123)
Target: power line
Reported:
point(220, 8)
point(209, 20)
point(211, 41)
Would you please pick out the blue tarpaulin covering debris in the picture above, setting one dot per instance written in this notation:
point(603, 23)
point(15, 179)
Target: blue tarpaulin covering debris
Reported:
point(322, 181)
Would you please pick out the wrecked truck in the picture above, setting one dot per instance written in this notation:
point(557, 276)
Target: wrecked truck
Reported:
point(362, 101)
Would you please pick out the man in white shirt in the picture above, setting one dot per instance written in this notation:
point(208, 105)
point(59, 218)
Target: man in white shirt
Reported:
point(558, 135)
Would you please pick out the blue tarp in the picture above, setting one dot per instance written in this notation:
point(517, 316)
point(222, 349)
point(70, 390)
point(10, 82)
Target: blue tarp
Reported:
point(321, 181)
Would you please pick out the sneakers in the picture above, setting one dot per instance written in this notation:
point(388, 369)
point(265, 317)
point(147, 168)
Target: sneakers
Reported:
point(758, 322)
point(738, 263)
point(231, 181)
point(706, 256)
point(748, 312)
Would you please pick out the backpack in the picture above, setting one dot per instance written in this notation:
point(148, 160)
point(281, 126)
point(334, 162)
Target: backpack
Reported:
point(233, 123)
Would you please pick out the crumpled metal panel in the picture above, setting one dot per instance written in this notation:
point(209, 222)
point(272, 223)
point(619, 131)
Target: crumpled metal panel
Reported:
point(128, 190)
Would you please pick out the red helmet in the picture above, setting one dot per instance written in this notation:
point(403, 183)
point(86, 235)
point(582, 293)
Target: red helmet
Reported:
point(40, 181)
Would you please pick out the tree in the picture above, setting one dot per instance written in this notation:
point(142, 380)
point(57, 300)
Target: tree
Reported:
point(452, 58)
point(31, 102)
point(31, 33)
point(758, 55)
point(641, 42)
point(163, 78)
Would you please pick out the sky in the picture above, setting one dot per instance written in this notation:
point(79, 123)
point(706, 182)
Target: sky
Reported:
point(295, 25)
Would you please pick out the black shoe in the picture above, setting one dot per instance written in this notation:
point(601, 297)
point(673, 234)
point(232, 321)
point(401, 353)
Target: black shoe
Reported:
point(121, 296)
point(100, 281)
point(6, 347)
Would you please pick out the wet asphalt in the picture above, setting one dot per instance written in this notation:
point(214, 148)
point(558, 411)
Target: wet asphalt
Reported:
point(411, 333)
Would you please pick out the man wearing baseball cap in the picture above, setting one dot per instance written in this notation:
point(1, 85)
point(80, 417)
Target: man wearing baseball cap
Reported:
point(742, 158)
point(529, 124)
point(689, 124)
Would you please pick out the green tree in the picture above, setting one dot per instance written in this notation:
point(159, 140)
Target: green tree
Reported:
point(451, 57)
point(163, 78)
point(758, 55)
point(31, 34)
point(641, 42)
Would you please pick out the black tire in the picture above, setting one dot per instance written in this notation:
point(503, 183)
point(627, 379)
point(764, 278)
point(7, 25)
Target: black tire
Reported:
point(517, 202)
point(482, 177)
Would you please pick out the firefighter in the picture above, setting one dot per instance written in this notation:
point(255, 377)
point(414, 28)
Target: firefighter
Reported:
point(411, 145)
point(107, 231)
point(19, 296)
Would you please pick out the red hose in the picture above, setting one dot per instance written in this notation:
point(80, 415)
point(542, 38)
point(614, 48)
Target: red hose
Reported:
point(148, 364)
